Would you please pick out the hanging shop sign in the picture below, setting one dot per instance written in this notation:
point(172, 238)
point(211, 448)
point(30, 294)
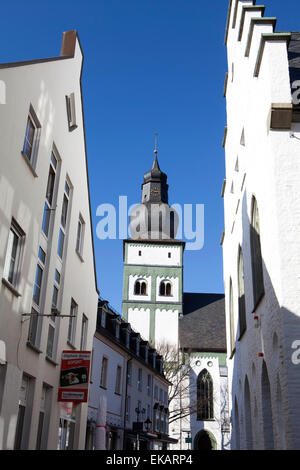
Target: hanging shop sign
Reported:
point(74, 376)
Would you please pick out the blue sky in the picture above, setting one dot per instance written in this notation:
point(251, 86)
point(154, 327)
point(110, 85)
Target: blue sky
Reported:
point(150, 66)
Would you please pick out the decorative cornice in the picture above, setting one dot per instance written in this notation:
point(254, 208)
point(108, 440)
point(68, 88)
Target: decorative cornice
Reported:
point(245, 9)
point(257, 21)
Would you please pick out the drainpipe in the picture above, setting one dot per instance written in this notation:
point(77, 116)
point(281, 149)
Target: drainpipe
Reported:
point(126, 388)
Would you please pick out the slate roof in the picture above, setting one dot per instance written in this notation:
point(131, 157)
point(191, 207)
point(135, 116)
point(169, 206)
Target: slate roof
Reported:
point(202, 326)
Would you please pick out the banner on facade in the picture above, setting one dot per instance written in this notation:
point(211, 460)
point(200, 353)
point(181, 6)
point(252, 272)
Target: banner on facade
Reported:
point(74, 376)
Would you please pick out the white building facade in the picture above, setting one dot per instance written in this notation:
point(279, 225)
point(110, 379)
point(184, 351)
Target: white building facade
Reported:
point(48, 292)
point(261, 241)
point(127, 387)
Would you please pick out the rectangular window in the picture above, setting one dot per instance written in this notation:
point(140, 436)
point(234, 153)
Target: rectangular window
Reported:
point(63, 220)
point(118, 380)
point(24, 413)
point(61, 241)
point(50, 340)
point(43, 425)
point(72, 322)
point(80, 236)
point(103, 380)
point(128, 403)
point(33, 327)
point(15, 244)
point(39, 276)
point(140, 378)
point(53, 319)
point(49, 195)
point(156, 392)
point(71, 111)
point(31, 140)
point(149, 385)
point(160, 395)
point(84, 326)
point(129, 372)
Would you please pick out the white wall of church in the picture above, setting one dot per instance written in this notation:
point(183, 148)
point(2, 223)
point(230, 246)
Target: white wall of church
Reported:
point(263, 389)
point(154, 255)
point(166, 327)
point(139, 318)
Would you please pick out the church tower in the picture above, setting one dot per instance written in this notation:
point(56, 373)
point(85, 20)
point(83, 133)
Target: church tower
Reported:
point(153, 264)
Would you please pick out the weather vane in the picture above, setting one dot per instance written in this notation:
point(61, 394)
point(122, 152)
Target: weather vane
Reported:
point(155, 150)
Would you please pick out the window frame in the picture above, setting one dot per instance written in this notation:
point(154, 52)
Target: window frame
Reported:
point(31, 158)
point(80, 236)
point(14, 231)
point(118, 380)
point(206, 412)
point(104, 369)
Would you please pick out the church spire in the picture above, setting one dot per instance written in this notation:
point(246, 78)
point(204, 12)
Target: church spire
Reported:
point(155, 188)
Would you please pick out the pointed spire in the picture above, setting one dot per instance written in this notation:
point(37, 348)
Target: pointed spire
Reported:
point(155, 165)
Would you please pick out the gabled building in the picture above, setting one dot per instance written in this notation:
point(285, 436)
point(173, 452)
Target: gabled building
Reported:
point(128, 404)
point(48, 289)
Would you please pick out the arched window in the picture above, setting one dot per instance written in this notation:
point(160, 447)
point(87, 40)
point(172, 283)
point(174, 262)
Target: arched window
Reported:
point(241, 287)
point(231, 318)
point(140, 287)
point(256, 258)
point(165, 289)
point(205, 408)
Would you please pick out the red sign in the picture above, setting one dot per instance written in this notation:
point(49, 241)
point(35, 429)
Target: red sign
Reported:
point(74, 376)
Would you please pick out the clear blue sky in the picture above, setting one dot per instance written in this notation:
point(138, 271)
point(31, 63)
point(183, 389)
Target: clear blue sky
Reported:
point(150, 66)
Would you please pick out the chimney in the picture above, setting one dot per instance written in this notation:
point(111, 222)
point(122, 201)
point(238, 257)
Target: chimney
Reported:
point(68, 43)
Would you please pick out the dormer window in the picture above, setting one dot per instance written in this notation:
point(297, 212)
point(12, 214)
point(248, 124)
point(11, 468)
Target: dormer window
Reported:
point(140, 287)
point(118, 330)
point(165, 289)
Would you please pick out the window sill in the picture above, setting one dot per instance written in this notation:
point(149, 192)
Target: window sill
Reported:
point(29, 164)
point(33, 347)
point(103, 388)
point(118, 394)
point(10, 287)
point(71, 345)
point(208, 419)
point(80, 256)
point(49, 359)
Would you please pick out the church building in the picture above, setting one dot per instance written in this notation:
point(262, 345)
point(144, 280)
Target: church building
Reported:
point(193, 324)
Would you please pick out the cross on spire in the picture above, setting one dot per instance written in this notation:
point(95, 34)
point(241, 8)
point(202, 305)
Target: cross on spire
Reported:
point(155, 147)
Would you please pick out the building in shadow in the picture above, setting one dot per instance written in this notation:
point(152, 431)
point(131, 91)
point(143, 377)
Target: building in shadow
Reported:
point(261, 240)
